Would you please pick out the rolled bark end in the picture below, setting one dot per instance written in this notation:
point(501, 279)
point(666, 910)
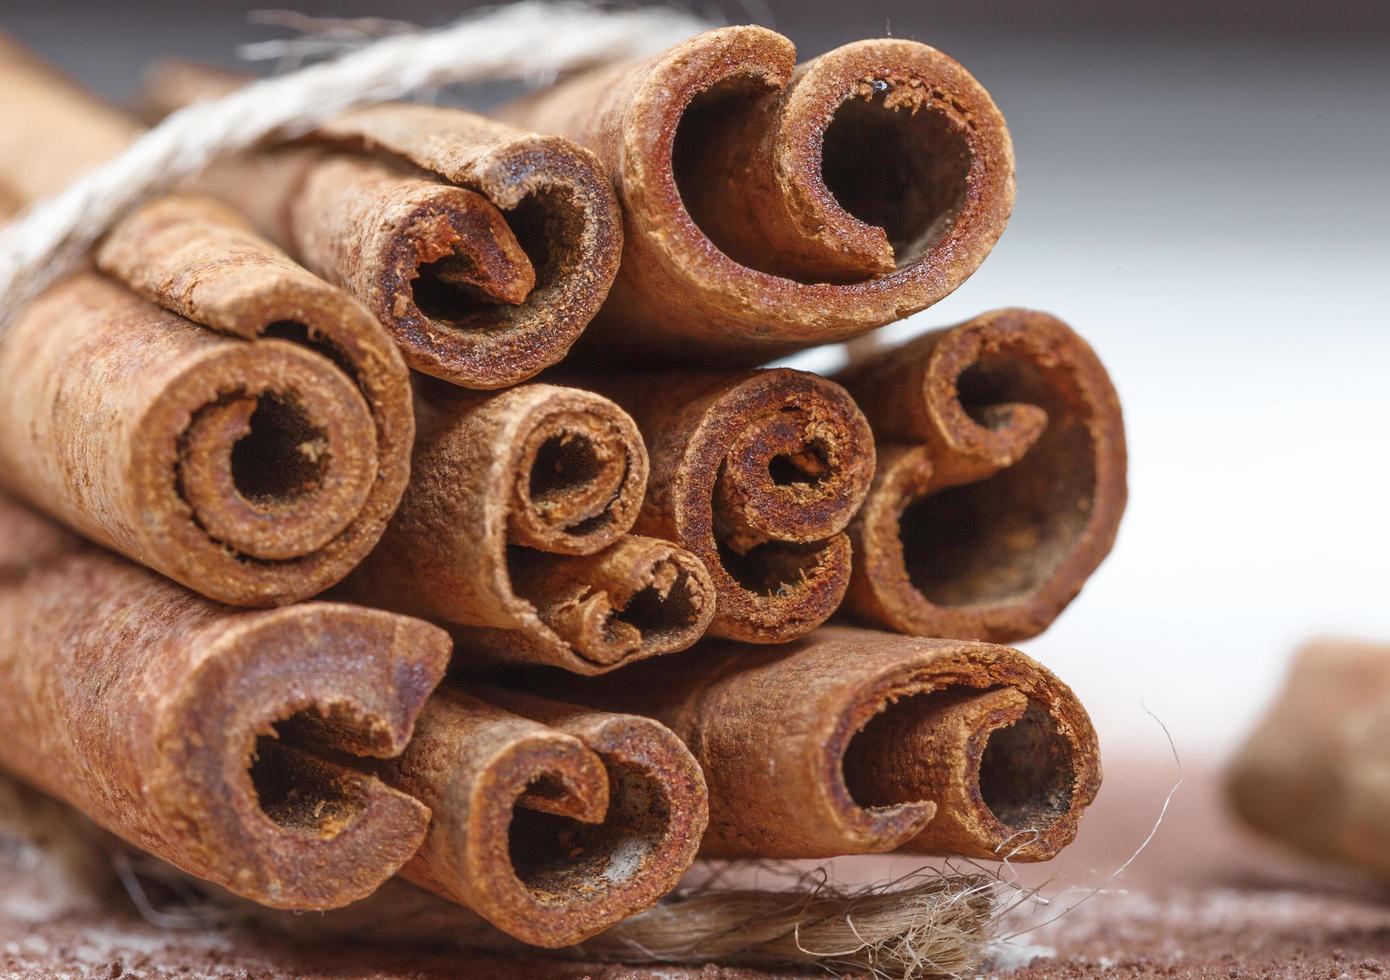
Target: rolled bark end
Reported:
point(437, 264)
point(273, 453)
point(774, 472)
point(1001, 773)
point(639, 598)
point(770, 206)
point(279, 822)
point(853, 741)
point(552, 828)
point(282, 472)
point(1001, 480)
point(582, 470)
point(278, 473)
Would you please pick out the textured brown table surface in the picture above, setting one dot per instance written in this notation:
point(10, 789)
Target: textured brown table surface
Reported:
point(1204, 900)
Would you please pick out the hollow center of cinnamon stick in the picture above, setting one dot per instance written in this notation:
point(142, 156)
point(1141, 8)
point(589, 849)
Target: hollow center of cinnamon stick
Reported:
point(893, 161)
point(1026, 772)
point(807, 467)
point(919, 748)
point(282, 456)
point(299, 793)
point(565, 861)
point(999, 538)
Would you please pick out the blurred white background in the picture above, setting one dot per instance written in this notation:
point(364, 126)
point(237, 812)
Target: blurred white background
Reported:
point(1203, 194)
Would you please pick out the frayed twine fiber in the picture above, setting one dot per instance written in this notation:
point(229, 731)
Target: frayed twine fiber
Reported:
point(528, 40)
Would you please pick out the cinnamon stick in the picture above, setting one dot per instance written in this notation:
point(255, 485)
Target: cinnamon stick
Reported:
point(484, 249)
point(257, 466)
point(1311, 774)
point(551, 821)
point(853, 741)
point(157, 713)
point(769, 206)
point(757, 474)
point(514, 531)
point(1001, 478)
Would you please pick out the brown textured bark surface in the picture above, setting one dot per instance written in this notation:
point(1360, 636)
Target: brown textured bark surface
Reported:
point(154, 710)
point(854, 741)
point(757, 474)
point(514, 531)
point(257, 470)
point(1314, 773)
point(551, 821)
point(769, 206)
point(1001, 479)
point(483, 248)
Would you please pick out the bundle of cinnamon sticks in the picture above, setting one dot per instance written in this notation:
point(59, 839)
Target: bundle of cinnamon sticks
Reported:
point(407, 500)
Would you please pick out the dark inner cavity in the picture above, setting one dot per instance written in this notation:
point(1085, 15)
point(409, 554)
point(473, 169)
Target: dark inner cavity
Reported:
point(562, 860)
point(1000, 538)
point(806, 467)
point(1027, 772)
point(300, 791)
point(564, 464)
point(655, 617)
point(774, 568)
point(283, 456)
point(903, 172)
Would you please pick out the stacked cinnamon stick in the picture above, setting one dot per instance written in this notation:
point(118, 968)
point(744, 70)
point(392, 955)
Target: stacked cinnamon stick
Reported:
point(316, 368)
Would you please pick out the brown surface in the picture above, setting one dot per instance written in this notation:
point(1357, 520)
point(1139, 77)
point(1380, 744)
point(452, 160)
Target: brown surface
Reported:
point(757, 474)
point(1204, 900)
point(149, 707)
point(611, 810)
point(1313, 774)
point(484, 249)
point(849, 741)
point(768, 207)
point(1001, 478)
point(514, 527)
point(149, 434)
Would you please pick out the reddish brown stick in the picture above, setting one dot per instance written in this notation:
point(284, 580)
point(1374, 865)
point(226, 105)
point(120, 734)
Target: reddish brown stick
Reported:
point(484, 249)
point(257, 470)
point(769, 206)
point(514, 531)
point(551, 821)
point(1001, 478)
point(854, 741)
point(157, 712)
point(757, 474)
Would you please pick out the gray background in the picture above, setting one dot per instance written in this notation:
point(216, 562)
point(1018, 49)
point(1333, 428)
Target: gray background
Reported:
point(1202, 193)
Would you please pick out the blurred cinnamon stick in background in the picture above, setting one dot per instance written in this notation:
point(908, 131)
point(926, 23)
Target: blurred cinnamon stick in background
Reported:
point(1312, 774)
point(757, 474)
point(159, 714)
point(484, 249)
point(770, 206)
point(256, 464)
point(852, 741)
point(1001, 478)
point(514, 532)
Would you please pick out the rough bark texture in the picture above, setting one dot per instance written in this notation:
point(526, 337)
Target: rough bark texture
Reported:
point(768, 206)
point(514, 531)
point(757, 474)
point(1314, 773)
point(851, 741)
point(1001, 478)
point(484, 249)
point(154, 711)
point(551, 821)
point(257, 473)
